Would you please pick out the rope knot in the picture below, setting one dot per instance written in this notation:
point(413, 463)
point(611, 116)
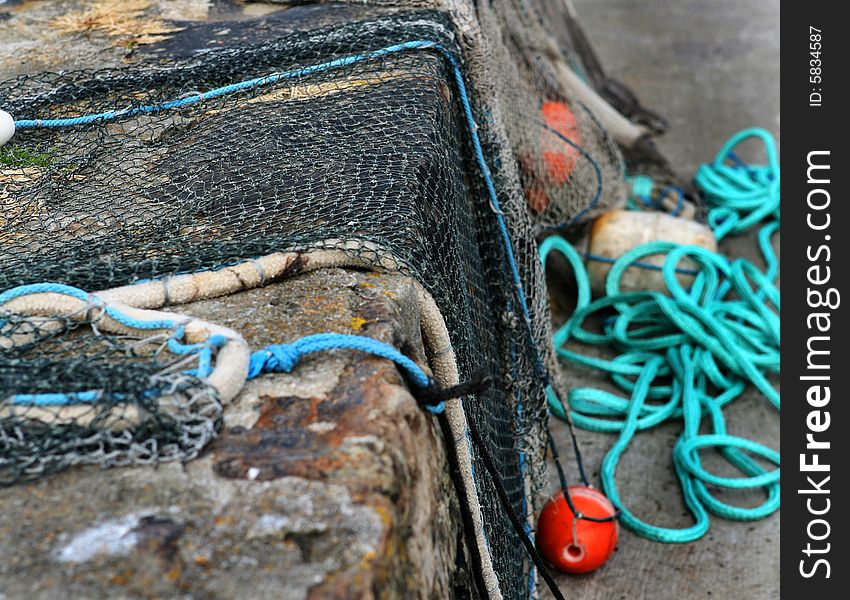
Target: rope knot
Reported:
point(433, 397)
point(277, 358)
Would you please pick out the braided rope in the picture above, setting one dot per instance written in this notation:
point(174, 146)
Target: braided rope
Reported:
point(708, 341)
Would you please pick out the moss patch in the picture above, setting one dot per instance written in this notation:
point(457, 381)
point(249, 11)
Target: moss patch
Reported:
point(18, 157)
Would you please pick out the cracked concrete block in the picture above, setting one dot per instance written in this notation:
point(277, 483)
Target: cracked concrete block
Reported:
point(329, 482)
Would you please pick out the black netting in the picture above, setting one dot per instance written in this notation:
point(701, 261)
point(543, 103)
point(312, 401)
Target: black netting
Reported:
point(136, 405)
point(369, 156)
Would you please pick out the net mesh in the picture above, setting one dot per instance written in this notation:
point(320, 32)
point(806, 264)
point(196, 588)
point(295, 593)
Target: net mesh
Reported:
point(136, 403)
point(370, 156)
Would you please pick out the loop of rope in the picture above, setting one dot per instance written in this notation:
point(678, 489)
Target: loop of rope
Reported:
point(740, 195)
point(685, 356)
point(174, 328)
point(275, 358)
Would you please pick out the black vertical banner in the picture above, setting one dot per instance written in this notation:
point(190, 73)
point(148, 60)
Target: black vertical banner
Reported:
point(815, 257)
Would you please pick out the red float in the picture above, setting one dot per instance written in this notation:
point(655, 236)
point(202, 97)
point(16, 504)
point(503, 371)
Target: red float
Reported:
point(558, 156)
point(577, 545)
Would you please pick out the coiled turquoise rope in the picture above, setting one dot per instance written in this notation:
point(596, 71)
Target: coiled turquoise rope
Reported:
point(687, 355)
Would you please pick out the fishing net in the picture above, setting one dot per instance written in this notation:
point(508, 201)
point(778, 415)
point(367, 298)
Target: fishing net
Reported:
point(351, 136)
point(135, 403)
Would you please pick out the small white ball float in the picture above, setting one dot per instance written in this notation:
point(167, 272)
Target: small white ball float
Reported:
point(7, 127)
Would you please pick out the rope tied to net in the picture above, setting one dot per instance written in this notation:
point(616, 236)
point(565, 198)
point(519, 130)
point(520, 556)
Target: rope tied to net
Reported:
point(285, 357)
point(684, 356)
point(465, 100)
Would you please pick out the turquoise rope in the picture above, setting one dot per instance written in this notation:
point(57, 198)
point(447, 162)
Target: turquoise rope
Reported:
point(686, 355)
point(641, 190)
point(740, 195)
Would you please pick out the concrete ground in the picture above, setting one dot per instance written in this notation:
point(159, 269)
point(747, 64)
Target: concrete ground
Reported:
point(711, 68)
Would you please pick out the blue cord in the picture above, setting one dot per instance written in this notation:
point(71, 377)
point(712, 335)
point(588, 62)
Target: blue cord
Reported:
point(284, 357)
point(221, 91)
point(638, 263)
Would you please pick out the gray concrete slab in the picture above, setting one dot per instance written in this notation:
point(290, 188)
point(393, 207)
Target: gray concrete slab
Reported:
point(711, 68)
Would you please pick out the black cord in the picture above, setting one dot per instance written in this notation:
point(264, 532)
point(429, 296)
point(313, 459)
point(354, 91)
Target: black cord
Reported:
point(487, 459)
point(579, 459)
point(433, 394)
point(565, 487)
point(465, 514)
point(479, 382)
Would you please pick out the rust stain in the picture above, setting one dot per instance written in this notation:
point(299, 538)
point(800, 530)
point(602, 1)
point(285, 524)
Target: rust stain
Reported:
point(160, 536)
point(282, 442)
point(202, 561)
point(295, 266)
point(313, 438)
point(123, 578)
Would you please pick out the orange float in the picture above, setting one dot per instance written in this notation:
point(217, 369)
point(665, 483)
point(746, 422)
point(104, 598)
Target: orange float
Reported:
point(558, 156)
point(577, 545)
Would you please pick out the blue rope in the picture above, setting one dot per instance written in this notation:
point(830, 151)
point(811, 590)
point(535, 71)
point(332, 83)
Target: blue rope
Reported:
point(67, 290)
point(55, 399)
point(694, 350)
point(284, 357)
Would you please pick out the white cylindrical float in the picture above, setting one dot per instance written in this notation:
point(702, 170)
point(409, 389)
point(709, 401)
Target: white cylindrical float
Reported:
point(616, 232)
point(7, 127)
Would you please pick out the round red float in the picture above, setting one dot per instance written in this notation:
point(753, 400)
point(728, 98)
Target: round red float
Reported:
point(577, 545)
point(560, 157)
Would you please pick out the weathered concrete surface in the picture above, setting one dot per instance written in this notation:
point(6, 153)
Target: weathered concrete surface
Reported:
point(711, 68)
point(329, 482)
point(44, 35)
